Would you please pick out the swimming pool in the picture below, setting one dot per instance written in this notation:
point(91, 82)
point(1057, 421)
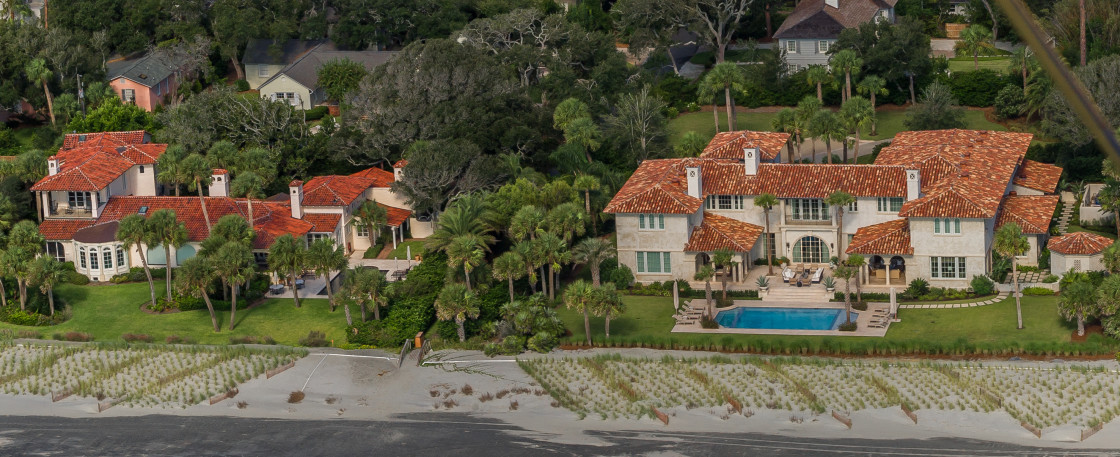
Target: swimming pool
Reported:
point(783, 318)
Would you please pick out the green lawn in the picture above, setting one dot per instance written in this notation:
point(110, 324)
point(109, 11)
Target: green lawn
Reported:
point(25, 136)
point(998, 64)
point(649, 320)
point(401, 251)
point(109, 311)
point(889, 123)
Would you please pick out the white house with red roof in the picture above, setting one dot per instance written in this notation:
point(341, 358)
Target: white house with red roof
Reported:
point(927, 208)
point(97, 179)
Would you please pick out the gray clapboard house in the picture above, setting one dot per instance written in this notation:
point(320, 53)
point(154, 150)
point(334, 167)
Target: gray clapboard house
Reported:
point(809, 32)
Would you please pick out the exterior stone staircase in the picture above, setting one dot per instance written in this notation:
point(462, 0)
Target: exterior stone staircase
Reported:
point(782, 292)
point(1069, 202)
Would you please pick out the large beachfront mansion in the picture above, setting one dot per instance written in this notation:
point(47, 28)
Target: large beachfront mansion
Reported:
point(927, 208)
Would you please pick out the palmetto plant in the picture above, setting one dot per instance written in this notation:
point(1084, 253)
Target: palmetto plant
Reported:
point(592, 252)
point(580, 296)
point(457, 303)
point(48, 273)
point(133, 232)
point(1010, 242)
point(974, 40)
point(729, 77)
point(847, 62)
point(873, 85)
point(509, 267)
point(371, 216)
point(325, 257)
point(857, 113)
point(286, 257)
point(196, 278)
point(818, 75)
point(164, 228)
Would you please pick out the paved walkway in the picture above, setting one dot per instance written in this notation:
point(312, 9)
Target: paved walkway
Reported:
point(998, 298)
point(1069, 202)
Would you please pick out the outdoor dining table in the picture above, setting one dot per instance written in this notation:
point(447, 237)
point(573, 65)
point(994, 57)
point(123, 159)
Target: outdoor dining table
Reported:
point(299, 284)
point(276, 289)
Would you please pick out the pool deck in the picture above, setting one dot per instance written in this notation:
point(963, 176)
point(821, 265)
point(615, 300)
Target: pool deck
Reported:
point(863, 320)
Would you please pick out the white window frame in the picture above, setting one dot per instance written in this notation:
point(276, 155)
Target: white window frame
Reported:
point(361, 230)
point(664, 260)
point(853, 207)
point(79, 200)
point(262, 71)
point(887, 204)
point(809, 209)
point(651, 222)
point(313, 237)
point(128, 95)
point(822, 46)
point(947, 226)
point(107, 258)
point(94, 261)
point(791, 46)
point(956, 267)
point(122, 260)
point(56, 251)
point(82, 261)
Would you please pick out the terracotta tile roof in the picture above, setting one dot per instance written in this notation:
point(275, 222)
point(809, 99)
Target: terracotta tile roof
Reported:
point(270, 219)
point(656, 186)
point(381, 178)
point(820, 180)
point(718, 232)
point(334, 190)
point(62, 229)
point(397, 216)
point(1039, 176)
point(889, 238)
point(730, 145)
point(100, 159)
point(815, 19)
point(323, 223)
point(72, 140)
point(1079, 243)
point(1032, 213)
point(400, 163)
point(964, 173)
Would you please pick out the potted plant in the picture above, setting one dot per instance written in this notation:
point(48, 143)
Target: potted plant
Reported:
point(829, 284)
point(763, 283)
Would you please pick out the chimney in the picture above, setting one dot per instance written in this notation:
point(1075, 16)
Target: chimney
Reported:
point(695, 185)
point(52, 166)
point(297, 198)
point(398, 169)
point(833, 3)
point(913, 184)
point(751, 158)
point(219, 183)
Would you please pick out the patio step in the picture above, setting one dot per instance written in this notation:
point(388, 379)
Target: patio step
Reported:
point(784, 292)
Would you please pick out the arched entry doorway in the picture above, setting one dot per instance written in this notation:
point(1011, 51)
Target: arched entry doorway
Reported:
point(702, 260)
point(810, 249)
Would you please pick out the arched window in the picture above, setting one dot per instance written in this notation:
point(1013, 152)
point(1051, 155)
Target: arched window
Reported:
point(93, 259)
point(82, 257)
point(810, 249)
point(184, 252)
point(107, 258)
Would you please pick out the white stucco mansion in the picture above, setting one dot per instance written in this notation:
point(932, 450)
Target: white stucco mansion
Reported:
point(97, 179)
point(927, 208)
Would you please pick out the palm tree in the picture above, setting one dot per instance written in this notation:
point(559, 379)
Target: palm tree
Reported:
point(857, 261)
point(974, 40)
point(196, 279)
point(286, 258)
point(324, 257)
point(580, 296)
point(586, 183)
point(457, 303)
point(827, 126)
point(24, 244)
point(199, 175)
point(706, 273)
point(1010, 242)
point(1110, 258)
point(708, 92)
point(163, 228)
point(847, 62)
point(857, 113)
point(133, 231)
point(555, 253)
point(371, 216)
point(234, 263)
point(839, 200)
point(803, 116)
point(467, 215)
point(530, 253)
point(607, 303)
point(567, 221)
point(170, 166)
point(873, 85)
point(467, 252)
point(1022, 59)
point(509, 267)
point(846, 273)
point(1078, 301)
point(721, 258)
point(366, 285)
point(818, 75)
point(592, 252)
point(527, 222)
point(1109, 197)
point(5, 270)
point(729, 77)
point(47, 273)
point(767, 202)
point(785, 122)
point(37, 71)
point(249, 185)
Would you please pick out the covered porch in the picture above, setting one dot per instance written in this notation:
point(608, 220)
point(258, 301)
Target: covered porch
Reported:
point(887, 249)
point(710, 244)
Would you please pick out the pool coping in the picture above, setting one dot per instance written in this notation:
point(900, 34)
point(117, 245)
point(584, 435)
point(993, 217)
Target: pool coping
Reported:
point(863, 319)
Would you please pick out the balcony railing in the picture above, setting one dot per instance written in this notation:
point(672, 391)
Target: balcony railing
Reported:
point(70, 211)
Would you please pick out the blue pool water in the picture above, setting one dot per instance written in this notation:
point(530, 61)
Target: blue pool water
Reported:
point(783, 318)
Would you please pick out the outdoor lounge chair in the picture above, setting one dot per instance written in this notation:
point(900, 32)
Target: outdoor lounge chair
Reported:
point(877, 325)
point(817, 275)
point(787, 274)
